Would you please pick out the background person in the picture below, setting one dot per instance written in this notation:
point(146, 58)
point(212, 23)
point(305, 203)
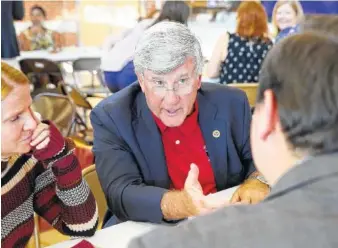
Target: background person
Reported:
point(286, 16)
point(37, 36)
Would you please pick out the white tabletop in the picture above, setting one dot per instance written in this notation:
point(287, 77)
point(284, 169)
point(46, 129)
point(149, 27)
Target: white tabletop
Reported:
point(66, 54)
point(120, 235)
point(114, 236)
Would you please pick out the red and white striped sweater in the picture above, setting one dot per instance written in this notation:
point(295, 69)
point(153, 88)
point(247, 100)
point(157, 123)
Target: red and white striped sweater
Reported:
point(49, 183)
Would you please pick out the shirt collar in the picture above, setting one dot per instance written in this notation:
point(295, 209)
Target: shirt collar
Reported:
point(188, 126)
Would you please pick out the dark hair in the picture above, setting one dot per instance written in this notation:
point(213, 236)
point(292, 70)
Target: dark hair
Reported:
point(302, 72)
point(325, 24)
point(177, 11)
point(38, 7)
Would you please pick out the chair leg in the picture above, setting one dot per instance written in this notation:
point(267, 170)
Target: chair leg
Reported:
point(36, 231)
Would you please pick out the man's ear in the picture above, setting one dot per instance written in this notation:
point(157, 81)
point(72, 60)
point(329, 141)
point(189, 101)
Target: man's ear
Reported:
point(269, 114)
point(140, 80)
point(199, 81)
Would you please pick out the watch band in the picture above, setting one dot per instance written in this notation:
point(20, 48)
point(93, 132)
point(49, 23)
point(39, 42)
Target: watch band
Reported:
point(260, 178)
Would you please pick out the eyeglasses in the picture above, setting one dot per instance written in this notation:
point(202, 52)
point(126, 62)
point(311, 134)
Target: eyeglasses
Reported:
point(181, 88)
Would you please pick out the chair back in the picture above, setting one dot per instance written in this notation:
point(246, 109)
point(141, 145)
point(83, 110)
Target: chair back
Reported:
point(90, 175)
point(57, 108)
point(91, 65)
point(87, 64)
point(42, 73)
point(78, 99)
point(250, 90)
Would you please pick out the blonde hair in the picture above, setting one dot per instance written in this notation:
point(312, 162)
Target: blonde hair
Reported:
point(295, 5)
point(10, 78)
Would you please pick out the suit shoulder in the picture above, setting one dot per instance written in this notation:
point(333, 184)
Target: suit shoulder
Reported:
point(119, 102)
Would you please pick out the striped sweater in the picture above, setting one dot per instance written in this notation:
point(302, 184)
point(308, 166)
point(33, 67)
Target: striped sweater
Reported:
point(49, 183)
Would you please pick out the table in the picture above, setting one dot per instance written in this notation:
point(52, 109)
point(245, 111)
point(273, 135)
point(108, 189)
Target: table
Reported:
point(66, 54)
point(120, 235)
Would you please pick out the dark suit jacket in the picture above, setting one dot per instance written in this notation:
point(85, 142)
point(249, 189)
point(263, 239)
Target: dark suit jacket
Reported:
point(301, 211)
point(10, 11)
point(129, 153)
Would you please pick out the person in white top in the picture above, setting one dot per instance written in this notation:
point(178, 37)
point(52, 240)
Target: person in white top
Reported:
point(117, 59)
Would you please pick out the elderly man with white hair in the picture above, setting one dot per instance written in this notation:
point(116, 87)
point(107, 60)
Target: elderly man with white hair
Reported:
point(163, 144)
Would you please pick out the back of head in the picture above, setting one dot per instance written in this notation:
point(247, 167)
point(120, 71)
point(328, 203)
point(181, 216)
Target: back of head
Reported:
point(302, 72)
point(252, 20)
point(165, 46)
point(10, 78)
point(175, 11)
point(324, 24)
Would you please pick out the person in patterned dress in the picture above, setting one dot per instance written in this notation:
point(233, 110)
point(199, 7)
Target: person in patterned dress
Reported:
point(237, 57)
point(38, 37)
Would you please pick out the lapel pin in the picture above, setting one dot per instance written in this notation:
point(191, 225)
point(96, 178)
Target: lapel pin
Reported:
point(216, 133)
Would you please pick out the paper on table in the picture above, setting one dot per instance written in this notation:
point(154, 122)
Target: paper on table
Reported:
point(224, 194)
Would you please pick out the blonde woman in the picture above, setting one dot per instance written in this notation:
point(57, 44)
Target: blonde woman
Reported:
point(39, 172)
point(286, 16)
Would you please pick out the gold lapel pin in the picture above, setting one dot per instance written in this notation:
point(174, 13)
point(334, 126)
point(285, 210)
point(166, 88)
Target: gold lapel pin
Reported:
point(216, 133)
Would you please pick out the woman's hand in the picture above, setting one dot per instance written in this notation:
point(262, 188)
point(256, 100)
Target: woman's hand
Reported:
point(41, 136)
point(47, 141)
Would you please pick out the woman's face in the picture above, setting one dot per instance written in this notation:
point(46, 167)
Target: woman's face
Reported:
point(37, 17)
point(286, 16)
point(17, 122)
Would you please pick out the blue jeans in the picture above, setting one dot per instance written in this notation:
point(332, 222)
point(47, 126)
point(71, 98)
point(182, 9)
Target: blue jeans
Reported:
point(118, 80)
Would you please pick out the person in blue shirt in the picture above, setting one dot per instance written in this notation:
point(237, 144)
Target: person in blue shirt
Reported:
point(285, 17)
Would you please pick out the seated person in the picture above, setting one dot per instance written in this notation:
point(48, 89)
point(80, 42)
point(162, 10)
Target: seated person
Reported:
point(39, 172)
point(285, 18)
point(153, 138)
point(295, 145)
point(237, 57)
point(117, 60)
point(38, 37)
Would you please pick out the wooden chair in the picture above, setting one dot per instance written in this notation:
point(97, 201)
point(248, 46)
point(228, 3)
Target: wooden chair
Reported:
point(90, 175)
point(250, 89)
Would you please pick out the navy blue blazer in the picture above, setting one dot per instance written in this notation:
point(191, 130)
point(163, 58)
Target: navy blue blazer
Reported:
point(129, 153)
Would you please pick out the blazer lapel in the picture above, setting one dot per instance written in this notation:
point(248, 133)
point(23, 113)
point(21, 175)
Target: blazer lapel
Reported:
point(214, 133)
point(149, 139)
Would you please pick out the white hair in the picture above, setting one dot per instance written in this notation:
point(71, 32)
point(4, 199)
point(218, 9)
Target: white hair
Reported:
point(166, 46)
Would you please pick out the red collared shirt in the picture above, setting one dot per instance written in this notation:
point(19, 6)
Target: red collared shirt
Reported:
point(184, 145)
